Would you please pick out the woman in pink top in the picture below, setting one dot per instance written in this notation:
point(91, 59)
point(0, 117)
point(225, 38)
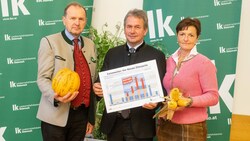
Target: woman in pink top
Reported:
point(195, 76)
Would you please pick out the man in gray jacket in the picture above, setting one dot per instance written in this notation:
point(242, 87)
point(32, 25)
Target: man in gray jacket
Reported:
point(60, 119)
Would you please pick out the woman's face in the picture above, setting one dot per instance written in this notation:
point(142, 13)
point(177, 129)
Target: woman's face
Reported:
point(187, 38)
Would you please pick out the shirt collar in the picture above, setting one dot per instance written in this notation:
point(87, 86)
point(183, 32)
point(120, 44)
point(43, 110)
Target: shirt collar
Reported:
point(192, 53)
point(71, 37)
point(135, 46)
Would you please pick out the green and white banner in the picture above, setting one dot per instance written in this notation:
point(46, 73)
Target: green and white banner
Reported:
point(23, 24)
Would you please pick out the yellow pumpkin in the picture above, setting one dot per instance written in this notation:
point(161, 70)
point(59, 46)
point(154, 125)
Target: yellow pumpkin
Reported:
point(65, 81)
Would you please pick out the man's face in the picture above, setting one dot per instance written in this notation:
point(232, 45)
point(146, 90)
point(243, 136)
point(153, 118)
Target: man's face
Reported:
point(75, 20)
point(134, 30)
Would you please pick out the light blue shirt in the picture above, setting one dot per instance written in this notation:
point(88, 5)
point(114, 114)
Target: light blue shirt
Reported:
point(71, 37)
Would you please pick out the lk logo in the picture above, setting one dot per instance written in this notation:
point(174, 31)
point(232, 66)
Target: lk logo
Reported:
point(162, 25)
point(16, 5)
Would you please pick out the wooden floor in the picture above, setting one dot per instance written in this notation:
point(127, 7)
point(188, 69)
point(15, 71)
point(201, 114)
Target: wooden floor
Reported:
point(240, 128)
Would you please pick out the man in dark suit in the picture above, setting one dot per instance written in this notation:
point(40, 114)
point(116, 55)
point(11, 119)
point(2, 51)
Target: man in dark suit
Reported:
point(139, 125)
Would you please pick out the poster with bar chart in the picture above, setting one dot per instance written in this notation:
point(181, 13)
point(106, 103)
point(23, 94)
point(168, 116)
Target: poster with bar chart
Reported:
point(131, 86)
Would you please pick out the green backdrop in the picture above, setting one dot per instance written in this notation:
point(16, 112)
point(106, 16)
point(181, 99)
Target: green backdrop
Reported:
point(23, 24)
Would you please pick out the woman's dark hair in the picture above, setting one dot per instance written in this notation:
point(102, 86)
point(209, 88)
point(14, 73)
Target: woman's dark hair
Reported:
point(186, 22)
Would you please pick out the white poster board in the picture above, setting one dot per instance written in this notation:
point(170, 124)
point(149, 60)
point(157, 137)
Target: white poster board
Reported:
point(131, 86)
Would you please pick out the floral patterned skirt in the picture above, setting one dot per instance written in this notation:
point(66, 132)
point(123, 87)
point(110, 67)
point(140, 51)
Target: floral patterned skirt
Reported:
point(168, 131)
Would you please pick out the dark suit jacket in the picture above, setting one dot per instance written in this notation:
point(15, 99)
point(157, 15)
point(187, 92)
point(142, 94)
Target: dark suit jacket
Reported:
point(143, 124)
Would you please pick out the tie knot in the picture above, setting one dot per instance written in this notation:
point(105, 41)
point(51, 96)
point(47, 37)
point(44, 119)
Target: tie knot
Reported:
point(75, 41)
point(132, 50)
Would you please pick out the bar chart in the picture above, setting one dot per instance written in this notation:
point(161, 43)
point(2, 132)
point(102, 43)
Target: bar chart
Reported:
point(135, 88)
point(131, 86)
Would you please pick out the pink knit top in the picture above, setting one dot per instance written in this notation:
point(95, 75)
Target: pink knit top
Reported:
point(197, 79)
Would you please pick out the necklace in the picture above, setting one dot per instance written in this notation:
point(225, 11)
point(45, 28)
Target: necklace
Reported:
point(180, 60)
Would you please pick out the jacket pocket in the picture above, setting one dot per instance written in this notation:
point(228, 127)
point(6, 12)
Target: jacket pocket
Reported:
point(59, 58)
